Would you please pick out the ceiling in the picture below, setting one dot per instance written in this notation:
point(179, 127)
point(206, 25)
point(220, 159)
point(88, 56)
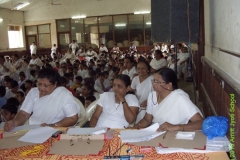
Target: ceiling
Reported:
point(9, 4)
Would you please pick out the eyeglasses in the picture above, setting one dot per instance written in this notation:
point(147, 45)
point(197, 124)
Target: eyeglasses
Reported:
point(43, 85)
point(159, 83)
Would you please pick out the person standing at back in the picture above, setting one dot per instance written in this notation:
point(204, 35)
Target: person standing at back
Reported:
point(33, 48)
point(53, 50)
point(73, 46)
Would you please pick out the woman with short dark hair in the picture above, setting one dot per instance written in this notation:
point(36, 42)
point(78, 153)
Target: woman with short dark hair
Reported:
point(116, 109)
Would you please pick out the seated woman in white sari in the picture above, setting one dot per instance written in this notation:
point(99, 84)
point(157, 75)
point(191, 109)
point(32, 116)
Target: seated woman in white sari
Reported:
point(116, 109)
point(170, 106)
point(47, 104)
point(142, 86)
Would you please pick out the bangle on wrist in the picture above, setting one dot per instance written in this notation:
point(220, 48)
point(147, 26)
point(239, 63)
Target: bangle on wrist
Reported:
point(123, 102)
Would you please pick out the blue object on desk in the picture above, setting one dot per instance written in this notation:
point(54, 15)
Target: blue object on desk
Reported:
point(214, 126)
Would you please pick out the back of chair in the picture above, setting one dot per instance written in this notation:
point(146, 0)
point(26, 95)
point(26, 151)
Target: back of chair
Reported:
point(82, 118)
point(136, 43)
point(119, 44)
point(91, 109)
point(125, 43)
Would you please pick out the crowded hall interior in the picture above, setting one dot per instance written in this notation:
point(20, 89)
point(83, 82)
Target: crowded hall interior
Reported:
point(123, 65)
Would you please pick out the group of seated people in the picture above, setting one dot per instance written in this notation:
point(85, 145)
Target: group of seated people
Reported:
point(129, 87)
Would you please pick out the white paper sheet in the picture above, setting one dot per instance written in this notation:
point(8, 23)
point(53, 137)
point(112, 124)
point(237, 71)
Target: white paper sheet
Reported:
point(38, 135)
point(79, 131)
point(185, 135)
point(214, 145)
point(25, 127)
point(161, 150)
point(145, 134)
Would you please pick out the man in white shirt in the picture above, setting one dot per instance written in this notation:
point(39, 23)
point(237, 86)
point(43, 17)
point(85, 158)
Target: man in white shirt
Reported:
point(14, 88)
point(82, 71)
point(101, 83)
point(35, 61)
point(103, 48)
point(90, 53)
point(73, 46)
point(53, 50)
point(33, 48)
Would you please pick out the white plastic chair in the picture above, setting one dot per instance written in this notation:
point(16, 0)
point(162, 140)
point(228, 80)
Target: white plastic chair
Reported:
point(82, 120)
point(136, 43)
point(91, 109)
point(119, 44)
point(125, 43)
point(110, 44)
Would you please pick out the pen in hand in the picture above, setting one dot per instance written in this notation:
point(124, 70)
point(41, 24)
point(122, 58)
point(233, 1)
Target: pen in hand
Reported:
point(4, 119)
point(9, 125)
point(164, 136)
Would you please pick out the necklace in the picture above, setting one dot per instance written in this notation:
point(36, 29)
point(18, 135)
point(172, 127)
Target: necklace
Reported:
point(157, 99)
point(117, 105)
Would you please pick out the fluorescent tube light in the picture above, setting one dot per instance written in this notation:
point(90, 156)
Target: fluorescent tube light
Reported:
point(120, 25)
point(148, 23)
point(142, 12)
point(21, 5)
point(1, 19)
point(77, 17)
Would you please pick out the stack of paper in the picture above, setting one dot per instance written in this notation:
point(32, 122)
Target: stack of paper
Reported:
point(38, 135)
point(185, 135)
point(140, 135)
point(81, 131)
point(214, 145)
point(25, 128)
point(218, 144)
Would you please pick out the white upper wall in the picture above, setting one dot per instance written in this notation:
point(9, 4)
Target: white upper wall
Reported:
point(9, 18)
point(69, 8)
point(222, 31)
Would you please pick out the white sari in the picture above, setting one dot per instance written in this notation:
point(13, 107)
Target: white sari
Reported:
point(47, 108)
point(142, 91)
point(176, 108)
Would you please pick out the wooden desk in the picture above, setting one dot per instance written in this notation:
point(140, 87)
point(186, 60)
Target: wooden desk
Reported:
point(40, 152)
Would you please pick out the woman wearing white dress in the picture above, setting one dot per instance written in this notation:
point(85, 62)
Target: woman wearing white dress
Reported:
point(142, 86)
point(116, 109)
point(169, 106)
point(48, 104)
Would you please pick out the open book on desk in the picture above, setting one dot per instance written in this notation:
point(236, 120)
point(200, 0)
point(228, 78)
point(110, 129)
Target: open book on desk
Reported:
point(145, 134)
